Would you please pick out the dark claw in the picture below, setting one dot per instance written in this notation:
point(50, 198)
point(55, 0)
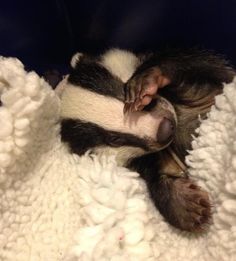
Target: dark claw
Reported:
point(193, 186)
point(206, 212)
point(204, 202)
point(126, 108)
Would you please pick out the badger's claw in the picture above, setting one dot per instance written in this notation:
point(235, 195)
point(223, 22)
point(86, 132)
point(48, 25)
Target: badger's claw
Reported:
point(142, 88)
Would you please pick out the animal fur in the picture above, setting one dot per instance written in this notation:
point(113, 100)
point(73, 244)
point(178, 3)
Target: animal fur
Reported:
point(192, 79)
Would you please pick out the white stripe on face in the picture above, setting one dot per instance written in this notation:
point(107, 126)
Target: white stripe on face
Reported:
point(107, 112)
point(120, 63)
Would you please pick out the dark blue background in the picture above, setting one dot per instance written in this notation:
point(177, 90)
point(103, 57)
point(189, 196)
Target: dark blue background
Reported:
point(45, 33)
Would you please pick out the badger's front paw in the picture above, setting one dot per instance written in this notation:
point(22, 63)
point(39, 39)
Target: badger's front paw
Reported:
point(185, 205)
point(143, 87)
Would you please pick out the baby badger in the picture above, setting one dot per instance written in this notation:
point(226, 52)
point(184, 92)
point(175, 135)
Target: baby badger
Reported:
point(162, 96)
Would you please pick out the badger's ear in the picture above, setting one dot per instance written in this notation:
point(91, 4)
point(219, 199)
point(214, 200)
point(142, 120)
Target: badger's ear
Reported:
point(75, 59)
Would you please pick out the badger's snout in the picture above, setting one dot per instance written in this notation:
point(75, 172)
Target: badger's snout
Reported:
point(166, 131)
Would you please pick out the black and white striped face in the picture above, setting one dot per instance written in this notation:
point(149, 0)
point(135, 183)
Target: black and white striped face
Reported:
point(93, 108)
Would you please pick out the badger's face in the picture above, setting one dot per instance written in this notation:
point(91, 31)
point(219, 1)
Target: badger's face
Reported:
point(93, 115)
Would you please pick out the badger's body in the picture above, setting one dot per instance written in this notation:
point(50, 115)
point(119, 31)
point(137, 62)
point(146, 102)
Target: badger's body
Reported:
point(93, 119)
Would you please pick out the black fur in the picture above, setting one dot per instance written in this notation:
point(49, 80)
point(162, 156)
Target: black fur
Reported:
point(189, 66)
point(82, 136)
point(196, 77)
point(93, 76)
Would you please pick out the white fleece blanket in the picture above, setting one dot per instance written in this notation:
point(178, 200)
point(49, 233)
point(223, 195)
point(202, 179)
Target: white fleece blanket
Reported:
point(57, 206)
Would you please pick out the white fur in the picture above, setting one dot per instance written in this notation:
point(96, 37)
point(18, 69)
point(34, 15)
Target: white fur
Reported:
point(56, 206)
point(107, 112)
point(75, 59)
point(120, 63)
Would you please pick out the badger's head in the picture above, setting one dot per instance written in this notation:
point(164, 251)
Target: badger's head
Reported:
point(92, 109)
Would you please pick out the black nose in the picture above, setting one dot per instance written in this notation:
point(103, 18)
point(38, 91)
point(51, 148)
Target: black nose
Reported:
point(165, 131)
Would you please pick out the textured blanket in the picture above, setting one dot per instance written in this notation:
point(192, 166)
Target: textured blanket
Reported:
point(58, 206)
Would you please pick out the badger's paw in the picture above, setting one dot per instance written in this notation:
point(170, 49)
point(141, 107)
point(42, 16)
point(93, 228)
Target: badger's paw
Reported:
point(189, 206)
point(142, 88)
